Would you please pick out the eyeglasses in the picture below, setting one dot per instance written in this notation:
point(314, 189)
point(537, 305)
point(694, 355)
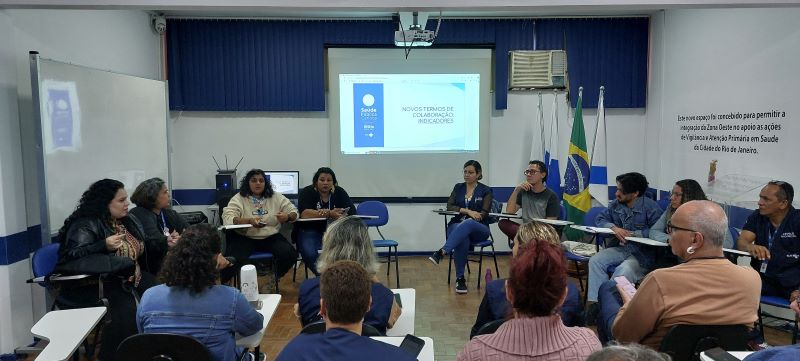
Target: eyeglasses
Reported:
point(675, 194)
point(671, 228)
point(786, 189)
point(531, 172)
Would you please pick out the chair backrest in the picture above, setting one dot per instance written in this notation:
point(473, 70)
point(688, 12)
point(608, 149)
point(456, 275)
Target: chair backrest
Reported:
point(374, 208)
point(45, 259)
point(562, 214)
point(734, 234)
point(496, 207)
point(590, 219)
point(319, 327)
point(162, 347)
point(663, 203)
point(490, 327)
point(686, 342)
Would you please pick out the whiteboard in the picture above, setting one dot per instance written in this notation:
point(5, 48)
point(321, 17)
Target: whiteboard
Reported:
point(94, 124)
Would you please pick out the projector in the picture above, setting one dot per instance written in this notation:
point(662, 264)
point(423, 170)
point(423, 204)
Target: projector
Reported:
point(414, 37)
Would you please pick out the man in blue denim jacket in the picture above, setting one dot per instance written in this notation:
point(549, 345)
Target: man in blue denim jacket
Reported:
point(630, 215)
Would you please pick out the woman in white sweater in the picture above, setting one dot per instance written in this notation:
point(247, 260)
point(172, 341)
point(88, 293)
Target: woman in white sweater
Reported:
point(259, 205)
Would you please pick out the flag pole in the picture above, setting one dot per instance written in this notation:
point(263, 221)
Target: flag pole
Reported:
point(596, 125)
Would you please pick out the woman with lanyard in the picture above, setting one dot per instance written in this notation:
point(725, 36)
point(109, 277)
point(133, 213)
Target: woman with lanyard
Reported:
point(472, 200)
point(258, 205)
point(327, 202)
point(162, 226)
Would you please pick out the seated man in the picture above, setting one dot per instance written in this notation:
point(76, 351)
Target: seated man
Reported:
point(707, 289)
point(344, 300)
point(630, 215)
point(772, 236)
point(533, 196)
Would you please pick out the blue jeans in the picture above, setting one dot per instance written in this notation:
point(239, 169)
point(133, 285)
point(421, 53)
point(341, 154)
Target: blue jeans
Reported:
point(459, 238)
point(308, 243)
point(627, 266)
point(609, 302)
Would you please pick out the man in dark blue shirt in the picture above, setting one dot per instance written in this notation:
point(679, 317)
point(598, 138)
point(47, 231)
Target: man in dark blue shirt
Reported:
point(772, 236)
point(345, 299)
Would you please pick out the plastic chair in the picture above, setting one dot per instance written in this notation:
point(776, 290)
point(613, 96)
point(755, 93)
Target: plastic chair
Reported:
point(686, 342)
point(266, 256)
point(162, 347)
point(490, 327)
point(294, 271)
point(495, 208)
point(377, 208)
point(319, 327)
point(663, 203)
point(43, 264)
point(776, 302)
point(588, 220)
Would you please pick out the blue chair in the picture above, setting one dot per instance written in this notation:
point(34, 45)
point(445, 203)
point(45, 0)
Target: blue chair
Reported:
point(562, 214)
point(497, 207)
point(43, 264)
point(663, 203)
point(266, 256)
point(588, 220)
point(776, 302)
point(162, 347)
point(377, 208)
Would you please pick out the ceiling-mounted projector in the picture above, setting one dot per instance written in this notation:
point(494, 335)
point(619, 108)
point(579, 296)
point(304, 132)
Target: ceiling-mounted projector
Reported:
point(416, 35)
point(413, 37)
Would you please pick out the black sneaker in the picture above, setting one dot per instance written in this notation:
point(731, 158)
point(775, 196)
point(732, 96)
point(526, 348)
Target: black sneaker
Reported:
point(436, 257)
point(461, 285)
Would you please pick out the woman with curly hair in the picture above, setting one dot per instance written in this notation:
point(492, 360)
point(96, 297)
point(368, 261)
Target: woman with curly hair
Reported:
point(191, 303)
point(100, 238)
point(258, 205)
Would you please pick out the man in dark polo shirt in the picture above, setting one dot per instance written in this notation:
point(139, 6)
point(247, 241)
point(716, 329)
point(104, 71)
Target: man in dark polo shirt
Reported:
point(772, 236)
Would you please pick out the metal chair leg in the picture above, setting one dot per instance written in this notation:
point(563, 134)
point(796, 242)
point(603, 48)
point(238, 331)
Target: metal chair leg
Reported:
point(450, 268)
point(496, 269)
point(480, 266)
point(396, 266)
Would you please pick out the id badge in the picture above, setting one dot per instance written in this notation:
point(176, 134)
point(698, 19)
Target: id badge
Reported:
point(166, 231)
point(763, 266)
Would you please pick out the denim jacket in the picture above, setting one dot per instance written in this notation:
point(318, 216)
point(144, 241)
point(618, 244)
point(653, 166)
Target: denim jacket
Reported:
point(638, 219)
point(212, 317)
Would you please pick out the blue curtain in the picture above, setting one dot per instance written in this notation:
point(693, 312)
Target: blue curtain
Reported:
point(274, 65)
point(601, 51)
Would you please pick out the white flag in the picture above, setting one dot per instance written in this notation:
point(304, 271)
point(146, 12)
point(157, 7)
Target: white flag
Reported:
point(538, 143)
point(598, 174)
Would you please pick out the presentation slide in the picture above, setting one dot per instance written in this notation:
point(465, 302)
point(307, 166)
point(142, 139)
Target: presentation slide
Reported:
point(409, 113)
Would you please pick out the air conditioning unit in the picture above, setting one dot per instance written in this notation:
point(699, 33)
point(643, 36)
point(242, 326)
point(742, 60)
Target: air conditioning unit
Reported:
point(537, 69)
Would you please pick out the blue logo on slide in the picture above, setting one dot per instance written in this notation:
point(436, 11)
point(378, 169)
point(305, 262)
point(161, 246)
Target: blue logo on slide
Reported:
point(368, 115)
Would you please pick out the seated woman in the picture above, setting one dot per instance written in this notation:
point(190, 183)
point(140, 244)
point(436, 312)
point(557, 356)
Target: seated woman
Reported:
point(258, 205)
point(536, 288)
point(473, 201)
point(322, 199)
point(683, 191)
point(494, 305)
point(191, 303)
point(100, 238)
point(348, 240)
point(162, 225)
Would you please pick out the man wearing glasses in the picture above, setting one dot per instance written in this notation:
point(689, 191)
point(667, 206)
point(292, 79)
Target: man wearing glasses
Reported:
point(535, 199)
point(707, 289)
point(630, 215)
point(770, 235)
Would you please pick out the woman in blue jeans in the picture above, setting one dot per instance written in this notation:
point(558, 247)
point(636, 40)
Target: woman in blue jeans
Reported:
point(472, 200)
point(191, 303)
point(322, 199)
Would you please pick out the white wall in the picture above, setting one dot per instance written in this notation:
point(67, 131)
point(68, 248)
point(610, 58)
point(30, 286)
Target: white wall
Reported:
point(300, 141)
point(115, 40)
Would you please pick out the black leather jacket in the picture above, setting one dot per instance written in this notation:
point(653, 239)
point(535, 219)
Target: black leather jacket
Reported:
point(84, 248)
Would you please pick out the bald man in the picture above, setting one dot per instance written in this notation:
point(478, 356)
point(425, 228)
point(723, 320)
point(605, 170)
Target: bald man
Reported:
point(706, 289)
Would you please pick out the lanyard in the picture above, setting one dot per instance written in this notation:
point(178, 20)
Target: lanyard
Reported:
point(771, 235)
point(164, 224)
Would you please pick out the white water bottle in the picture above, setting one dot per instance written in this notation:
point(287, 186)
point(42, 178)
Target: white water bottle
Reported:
point(249, 280)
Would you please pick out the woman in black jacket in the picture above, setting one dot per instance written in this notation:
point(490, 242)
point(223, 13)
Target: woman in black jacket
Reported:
point(99, 238)
point(162, 226)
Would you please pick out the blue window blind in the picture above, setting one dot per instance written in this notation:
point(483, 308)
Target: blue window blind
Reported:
point(601, 51)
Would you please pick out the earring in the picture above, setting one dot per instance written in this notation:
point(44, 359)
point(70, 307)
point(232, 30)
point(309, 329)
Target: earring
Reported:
point(690, 250)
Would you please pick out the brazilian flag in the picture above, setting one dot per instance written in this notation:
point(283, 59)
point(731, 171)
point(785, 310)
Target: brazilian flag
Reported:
point(576, 180)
